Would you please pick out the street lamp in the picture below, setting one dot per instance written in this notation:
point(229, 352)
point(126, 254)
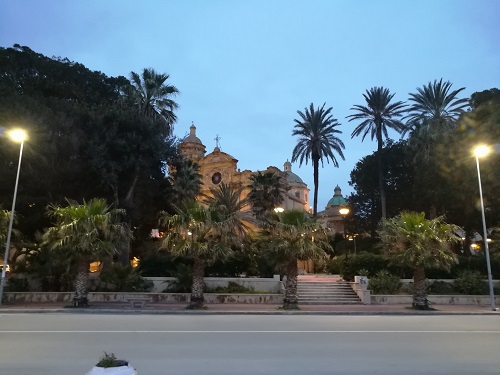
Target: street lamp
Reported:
point(279, 210)
point(18, 136)
point(481, 151)
point(343, 211)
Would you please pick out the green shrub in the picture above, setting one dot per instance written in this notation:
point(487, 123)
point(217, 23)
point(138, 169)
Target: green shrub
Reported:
point(440, 287)
point(123, 279)
point(335, 265)
point(385, 283)
point(372, 263)
point(184, 280)
point(232, 287)
point(15, 284)
point(470, 282)
point(160, 265)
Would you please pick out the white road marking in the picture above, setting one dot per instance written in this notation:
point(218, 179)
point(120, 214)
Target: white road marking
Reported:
point(225, 332)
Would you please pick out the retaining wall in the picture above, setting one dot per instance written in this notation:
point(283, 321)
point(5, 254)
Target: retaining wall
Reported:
point(434, 299)
point(47, 297)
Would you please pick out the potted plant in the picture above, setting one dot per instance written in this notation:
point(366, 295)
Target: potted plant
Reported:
point(109, 365)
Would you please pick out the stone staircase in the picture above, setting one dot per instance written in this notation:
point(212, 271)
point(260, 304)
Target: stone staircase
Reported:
point(325, 290)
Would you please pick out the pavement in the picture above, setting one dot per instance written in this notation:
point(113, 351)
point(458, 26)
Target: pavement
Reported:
point(241, 309)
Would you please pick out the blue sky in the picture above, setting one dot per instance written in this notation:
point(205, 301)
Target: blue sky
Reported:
point(245, 67)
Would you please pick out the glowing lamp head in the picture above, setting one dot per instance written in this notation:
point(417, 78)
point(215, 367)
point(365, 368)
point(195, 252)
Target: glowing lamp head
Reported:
point(17, 135)
point(481, 151)
point(279, 209)
point(344, 211)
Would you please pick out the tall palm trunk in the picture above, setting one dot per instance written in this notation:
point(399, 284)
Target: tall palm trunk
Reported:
point(380, 166)
point(197, 298)
point(420, 289)
point(316, 182)
point(81, 280)
point(290, 302)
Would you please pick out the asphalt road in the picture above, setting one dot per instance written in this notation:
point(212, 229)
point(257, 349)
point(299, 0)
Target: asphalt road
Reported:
point(70, 344)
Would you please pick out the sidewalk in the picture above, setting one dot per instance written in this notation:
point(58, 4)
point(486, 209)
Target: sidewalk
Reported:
point(240, 309)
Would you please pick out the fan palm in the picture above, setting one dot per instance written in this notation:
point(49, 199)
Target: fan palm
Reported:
point(153, 96)
point(293, 236)
point(205, 233)
point(413, 241)
point(378, 116)
point(85, 231)
point(267, 191)
point(317, 141)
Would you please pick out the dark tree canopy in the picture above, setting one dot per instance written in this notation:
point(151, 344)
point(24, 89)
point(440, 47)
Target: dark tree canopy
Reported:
point(86, 140)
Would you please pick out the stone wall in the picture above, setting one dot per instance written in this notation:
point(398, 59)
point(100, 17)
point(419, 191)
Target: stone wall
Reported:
point(434, 299)
point(67, 297)
point(263, 284)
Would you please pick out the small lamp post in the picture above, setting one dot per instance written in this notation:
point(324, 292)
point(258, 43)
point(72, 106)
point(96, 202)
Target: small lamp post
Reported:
point(481, 151)
point(18, 136)
point(344, 211)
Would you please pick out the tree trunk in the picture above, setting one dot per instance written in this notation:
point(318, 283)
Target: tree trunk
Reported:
point(380, 166)
point(197, 298)
point(420, 289)
point(80, 299)
point(290, 302)
point(316, 182)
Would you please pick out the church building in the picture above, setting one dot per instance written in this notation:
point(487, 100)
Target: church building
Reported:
point(218, 166)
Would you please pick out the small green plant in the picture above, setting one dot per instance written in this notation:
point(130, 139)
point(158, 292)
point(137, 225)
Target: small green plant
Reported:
point(470, 282)
point(184, 281)
point(385, 283)
point(364, 272)
point(440, 287)
point(232, 287)
point(109, 360)
point(123, 279)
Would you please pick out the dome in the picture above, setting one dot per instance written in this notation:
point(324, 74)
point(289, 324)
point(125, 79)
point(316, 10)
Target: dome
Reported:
point(290, 176)
point(337, 199)
point(192, 136)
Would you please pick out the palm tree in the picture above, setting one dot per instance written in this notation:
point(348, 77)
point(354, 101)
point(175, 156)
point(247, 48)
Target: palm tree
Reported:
point(228, 206)
point(4, 224)
point(85, 231)
point(186, 180)
point(432, 116)
point(153, 96)
point(413, 241)
point(205, 233)
point(293, 236)
point(317, 141)
point(267, 191)
point(379, 115)
point(435, 106)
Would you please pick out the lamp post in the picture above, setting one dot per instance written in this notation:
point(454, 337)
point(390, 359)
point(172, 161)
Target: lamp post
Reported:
point(481, 151)
point(344, 211)
point(18, 136)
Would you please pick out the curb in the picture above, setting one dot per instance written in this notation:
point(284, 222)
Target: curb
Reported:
point(240, 312)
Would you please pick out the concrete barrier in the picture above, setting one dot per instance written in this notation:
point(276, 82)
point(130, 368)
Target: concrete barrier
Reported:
point(434, 299)
point(67, 297)
point(268, 285)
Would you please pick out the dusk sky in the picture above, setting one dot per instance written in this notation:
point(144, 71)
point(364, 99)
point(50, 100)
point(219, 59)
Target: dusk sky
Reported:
point(244, 68)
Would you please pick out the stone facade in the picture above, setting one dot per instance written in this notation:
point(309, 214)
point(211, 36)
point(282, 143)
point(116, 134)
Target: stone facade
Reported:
point(330, 217)
point(218, 167)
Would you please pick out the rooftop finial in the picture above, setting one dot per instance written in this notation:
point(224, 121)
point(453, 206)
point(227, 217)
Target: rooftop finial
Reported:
point(217, 141)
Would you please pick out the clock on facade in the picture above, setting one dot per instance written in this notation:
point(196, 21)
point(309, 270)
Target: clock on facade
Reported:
point(216, 178)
